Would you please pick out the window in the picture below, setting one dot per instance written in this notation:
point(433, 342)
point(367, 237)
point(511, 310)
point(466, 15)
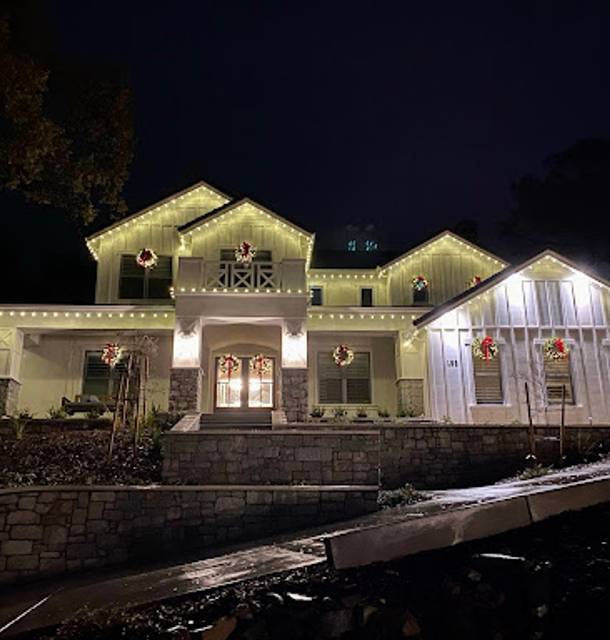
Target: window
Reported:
point(99, 379)
point(366, 297)
point(344, 385)
point(557, 374)
point(352, 245)
point(420, 296)
point(137, 283)
point(316, 296)
point(487, 380)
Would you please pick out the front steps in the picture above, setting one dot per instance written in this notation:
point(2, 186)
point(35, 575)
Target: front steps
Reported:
point(237, 418)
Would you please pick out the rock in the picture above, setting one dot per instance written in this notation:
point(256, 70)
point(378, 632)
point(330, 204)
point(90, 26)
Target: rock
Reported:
point(298, 598)
point(179, 633)
point(273, 599)
point(243, 611)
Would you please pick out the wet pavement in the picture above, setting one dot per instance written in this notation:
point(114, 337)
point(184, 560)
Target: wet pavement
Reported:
point(55, 600)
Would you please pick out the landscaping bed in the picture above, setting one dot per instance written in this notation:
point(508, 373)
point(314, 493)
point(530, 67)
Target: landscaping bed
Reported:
point(547, 581)
point(78, 457)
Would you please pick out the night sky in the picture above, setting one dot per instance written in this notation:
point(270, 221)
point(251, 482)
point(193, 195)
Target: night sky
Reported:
point(330, 113)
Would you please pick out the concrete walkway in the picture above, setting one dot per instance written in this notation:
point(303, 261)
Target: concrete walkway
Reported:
point(47, 603)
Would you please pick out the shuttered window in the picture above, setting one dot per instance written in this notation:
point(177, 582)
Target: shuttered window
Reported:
point(366, 297)
point(136, 283)
point(557, 374)
point(316, 296)
point(488, 381)
point(99, 379)
point(344, 385)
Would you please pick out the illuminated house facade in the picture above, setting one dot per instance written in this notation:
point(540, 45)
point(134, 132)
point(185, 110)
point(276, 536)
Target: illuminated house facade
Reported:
point(245, 321)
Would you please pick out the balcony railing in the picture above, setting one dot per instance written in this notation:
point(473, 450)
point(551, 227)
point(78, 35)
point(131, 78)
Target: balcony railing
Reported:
point(233, 275)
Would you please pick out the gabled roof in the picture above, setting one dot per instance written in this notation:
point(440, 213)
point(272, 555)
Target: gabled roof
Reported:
point(496, 279)
point(198, 185)
point(440, 236)
point(232, 206)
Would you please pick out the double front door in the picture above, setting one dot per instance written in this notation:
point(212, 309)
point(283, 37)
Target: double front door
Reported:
point(247, 383)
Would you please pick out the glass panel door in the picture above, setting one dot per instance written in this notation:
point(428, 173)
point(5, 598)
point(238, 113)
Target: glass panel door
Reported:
point(249, 385)
point(260, 384)
point(228, 385)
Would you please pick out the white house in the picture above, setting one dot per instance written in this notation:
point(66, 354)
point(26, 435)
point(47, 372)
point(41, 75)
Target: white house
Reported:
point(246, 321)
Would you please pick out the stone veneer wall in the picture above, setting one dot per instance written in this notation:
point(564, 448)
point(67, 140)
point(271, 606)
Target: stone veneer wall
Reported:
point(443, 456)
point(428, 456)
point(295, 394)
point(9, 396)
point(47, 531)
point(286, 456)
point(184, 390)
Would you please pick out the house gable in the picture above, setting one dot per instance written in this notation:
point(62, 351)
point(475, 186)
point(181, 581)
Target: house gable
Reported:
point(449, 263)
point(245, 220)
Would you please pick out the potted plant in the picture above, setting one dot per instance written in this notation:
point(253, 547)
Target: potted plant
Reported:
point(317, 413)
point(383, 414)
point(339, 414)
point(361, 413)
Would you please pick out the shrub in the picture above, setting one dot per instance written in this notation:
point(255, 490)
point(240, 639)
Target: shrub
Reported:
point(535, 471)
point(383, 413)
point(339, 413)
point(20, 422)
point(57, 413)
point(317, 412)
point(361, 412)
point(94, 414)
point(399, 497)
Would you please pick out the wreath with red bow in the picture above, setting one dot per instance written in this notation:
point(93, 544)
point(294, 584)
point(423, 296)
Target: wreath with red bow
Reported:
point(484, 348)
point(112, 354)
point(147, 258)
point(245, 252)
point(343, 356)
point(260, 364)
point(474, 282)
point(419, 283)
point(229, 364)
point(555, 349)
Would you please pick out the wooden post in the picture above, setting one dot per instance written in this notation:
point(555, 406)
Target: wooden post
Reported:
point(562, 426)
point(530, 431)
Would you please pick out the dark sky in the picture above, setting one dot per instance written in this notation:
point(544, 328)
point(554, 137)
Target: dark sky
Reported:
point(410, 117)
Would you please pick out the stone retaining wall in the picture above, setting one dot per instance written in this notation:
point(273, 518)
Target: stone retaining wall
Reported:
point(445, 456)
point(240, 456)
point(428, 456)
point(46, 531)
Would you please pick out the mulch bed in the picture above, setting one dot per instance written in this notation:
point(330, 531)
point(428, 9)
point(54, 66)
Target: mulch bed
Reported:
point(79, 457)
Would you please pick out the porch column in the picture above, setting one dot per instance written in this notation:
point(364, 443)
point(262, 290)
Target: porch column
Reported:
point(294, 380)
point(186, 373)
point(410, 367)
point(11, 350)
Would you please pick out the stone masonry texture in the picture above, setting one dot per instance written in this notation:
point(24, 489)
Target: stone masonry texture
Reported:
point(9, 396)
point(184, 387)
point(46, 531)
point(427, 456)
point(234, 456)
point(295, 394)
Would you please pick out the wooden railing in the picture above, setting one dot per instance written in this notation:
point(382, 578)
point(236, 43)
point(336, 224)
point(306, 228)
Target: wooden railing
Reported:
point(233, 275)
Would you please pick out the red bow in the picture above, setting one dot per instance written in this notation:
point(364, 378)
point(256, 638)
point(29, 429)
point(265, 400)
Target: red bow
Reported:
point(486, 345)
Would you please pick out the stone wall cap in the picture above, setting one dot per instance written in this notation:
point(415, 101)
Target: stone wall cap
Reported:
point(301, 488)
point(272, 432)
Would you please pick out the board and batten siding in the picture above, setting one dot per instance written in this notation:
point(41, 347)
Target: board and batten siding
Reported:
point(156, 231)
point(448, 267)
point(545, 300)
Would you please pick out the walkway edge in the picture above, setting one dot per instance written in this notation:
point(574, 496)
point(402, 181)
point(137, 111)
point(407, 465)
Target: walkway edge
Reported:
point(386, 542)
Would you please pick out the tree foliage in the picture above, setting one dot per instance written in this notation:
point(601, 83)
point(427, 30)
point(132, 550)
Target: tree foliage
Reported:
point(66, 136)
point(568, 207)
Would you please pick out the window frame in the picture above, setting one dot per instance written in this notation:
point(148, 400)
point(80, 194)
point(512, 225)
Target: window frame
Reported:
point(146, 277)
point(111, 386)
point(311, 298)
point(344, 401)
point(362, 290)
point(468, 357)
point(575, 378)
